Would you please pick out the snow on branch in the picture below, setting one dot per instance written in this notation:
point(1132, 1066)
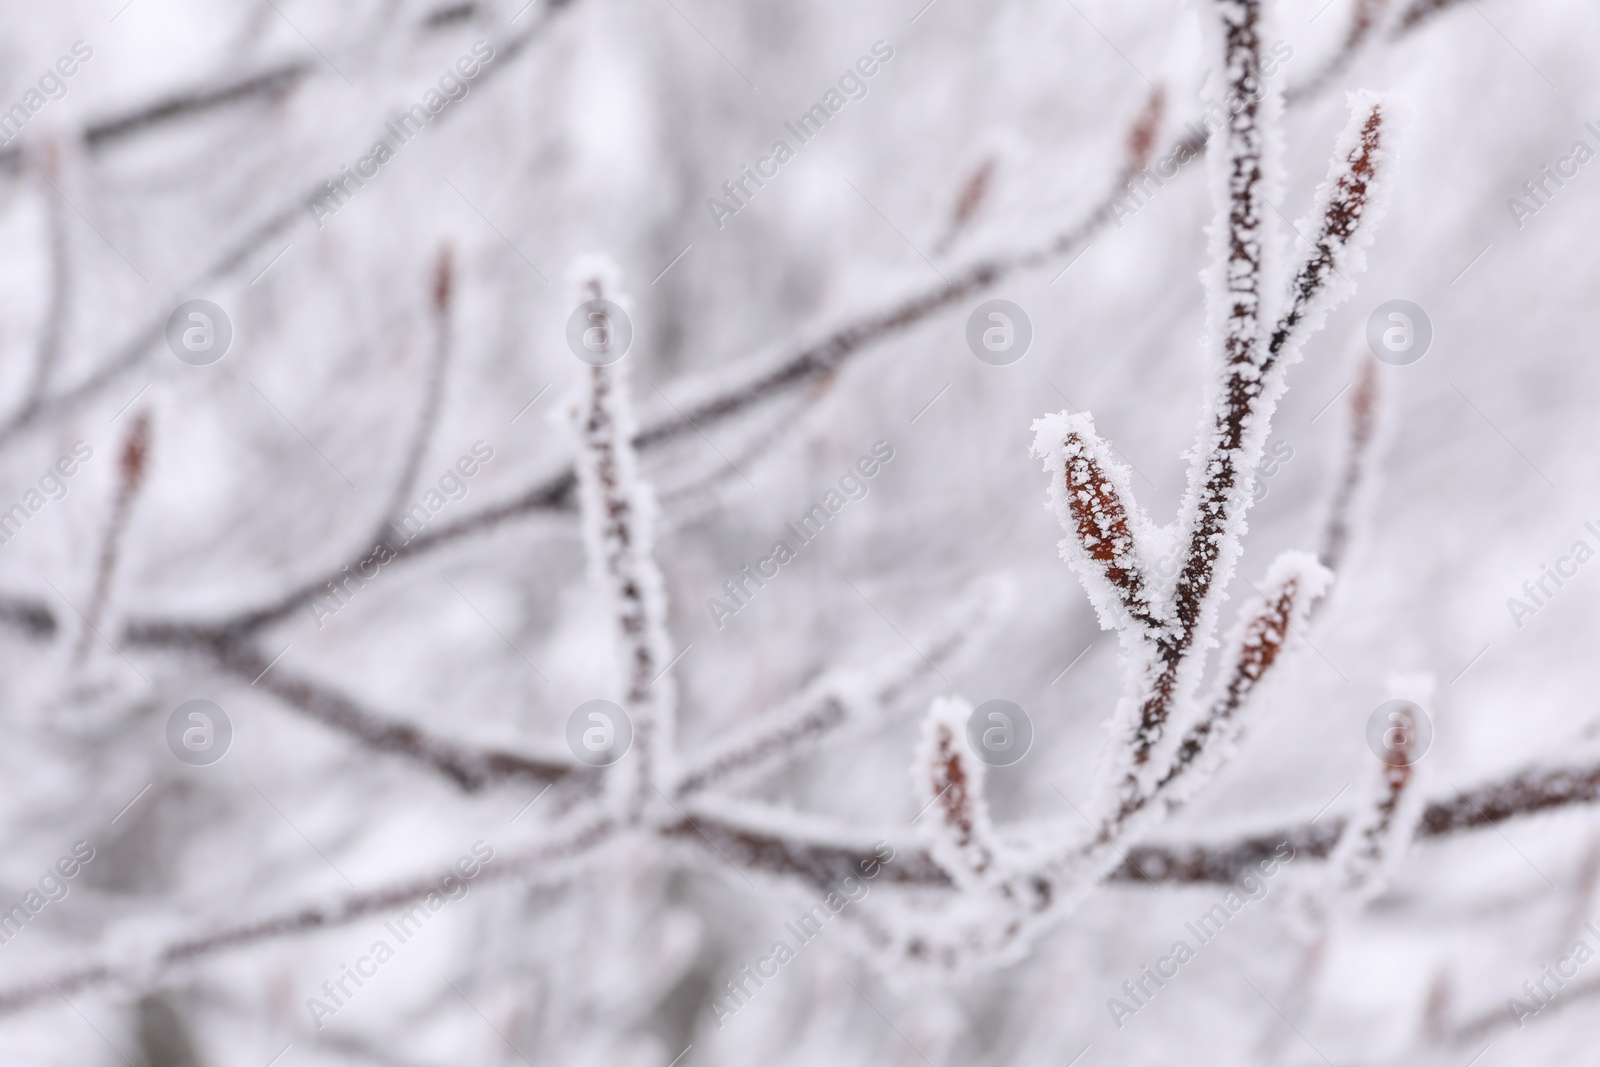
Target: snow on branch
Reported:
point(470, 768)
point(812, 853)
point(547, 861)
point(1366, 18)
point(1385, 812)
point(132, 467)
point(1264, 632)
point(1211, 521)
point(618, 511)
point(1361, 436)
point(1345, 209)
point(433, 390)
point(947, 782)
point(1109, 538)
point(722, 396)
point(1243, 162)
point(852, 696)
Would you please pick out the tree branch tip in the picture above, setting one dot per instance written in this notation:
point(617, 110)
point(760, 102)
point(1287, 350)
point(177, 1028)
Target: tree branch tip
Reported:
point(443, 277)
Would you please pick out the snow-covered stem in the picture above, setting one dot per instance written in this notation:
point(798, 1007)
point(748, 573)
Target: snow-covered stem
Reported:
point(236, 258)
point(470, 768)
point(618, 518)
point(1265, 631)
point(758, 380)
point(132, 466)
point(551, 859)
point(1211, 521)
point(441, 307)
point(1421, 11)
point(852, 696)
point(1346, 207)
point(948, 783)
point(1141, 140)
point(758, 843)
point(1366, 19)
point(1385, 811)
point(1242, 159)
point(817, 713)
point(47, 353)
point(975, 189)
point(1361, 435)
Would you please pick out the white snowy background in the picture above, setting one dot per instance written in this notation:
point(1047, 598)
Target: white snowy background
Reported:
point(602, 127)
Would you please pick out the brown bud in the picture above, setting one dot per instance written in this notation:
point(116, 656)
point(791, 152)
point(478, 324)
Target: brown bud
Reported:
point(135, 452)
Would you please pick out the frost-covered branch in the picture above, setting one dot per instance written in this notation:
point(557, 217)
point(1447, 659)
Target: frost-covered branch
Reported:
point(1384, 814)
point(1211, 517)
point(852, 696)
point(47, 354)
point(441, 304)
point(1345, 208)
point(618, 514)
point(541, 863)
point(818, 855)
point(132, 466)
point(1211, 521)
point(471, 768)
point(1167, 627)
point(948, 783)
point(1361, 436)
point(1366, 18)
point(1293, 586)
point(727, 395)
point(270, 83)
point(133, 352)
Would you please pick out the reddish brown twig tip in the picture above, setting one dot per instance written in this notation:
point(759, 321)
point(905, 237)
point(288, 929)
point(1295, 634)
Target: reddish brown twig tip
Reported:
point(135, 453)
point(1142, 135)
point(443, 279)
